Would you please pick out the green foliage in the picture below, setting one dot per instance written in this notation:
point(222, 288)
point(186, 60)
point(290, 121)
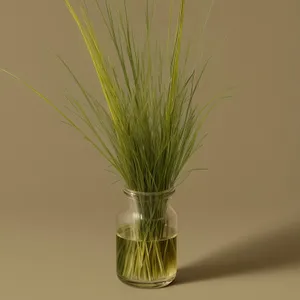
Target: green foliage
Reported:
point(149, 127)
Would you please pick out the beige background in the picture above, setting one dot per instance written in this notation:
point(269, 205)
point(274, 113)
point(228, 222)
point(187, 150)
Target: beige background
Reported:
point(239, 222)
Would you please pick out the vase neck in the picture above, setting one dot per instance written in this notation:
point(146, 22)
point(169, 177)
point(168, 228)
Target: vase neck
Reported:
point(149, 205)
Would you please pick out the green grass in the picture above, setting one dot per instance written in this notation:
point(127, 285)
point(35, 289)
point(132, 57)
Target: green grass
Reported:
point(148, 127)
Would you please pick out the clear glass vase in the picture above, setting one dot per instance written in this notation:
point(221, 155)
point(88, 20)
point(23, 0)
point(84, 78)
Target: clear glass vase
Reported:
point(147, 240)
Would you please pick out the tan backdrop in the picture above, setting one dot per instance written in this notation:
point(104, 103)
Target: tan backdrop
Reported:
point(239, 222)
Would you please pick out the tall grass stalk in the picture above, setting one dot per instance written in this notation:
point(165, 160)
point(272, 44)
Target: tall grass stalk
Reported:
point(148, 127)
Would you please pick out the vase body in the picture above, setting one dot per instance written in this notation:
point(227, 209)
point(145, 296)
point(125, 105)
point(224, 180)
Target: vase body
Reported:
point(147, 240)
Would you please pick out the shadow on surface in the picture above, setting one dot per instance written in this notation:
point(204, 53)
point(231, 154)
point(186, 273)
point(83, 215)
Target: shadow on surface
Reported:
point(272, 250)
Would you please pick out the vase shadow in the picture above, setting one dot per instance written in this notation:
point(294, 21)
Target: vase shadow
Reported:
point(271, 250)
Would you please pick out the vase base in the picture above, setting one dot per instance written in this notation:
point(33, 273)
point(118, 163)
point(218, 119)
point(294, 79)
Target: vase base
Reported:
point(148, 284)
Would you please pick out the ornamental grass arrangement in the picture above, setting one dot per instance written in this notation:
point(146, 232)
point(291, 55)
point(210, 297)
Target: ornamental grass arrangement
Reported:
point(147, 128)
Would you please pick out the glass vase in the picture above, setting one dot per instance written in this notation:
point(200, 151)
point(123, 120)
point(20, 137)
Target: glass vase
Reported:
point(147, 240)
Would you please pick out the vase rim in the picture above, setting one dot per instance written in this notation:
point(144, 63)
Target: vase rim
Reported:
point(133, 193)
